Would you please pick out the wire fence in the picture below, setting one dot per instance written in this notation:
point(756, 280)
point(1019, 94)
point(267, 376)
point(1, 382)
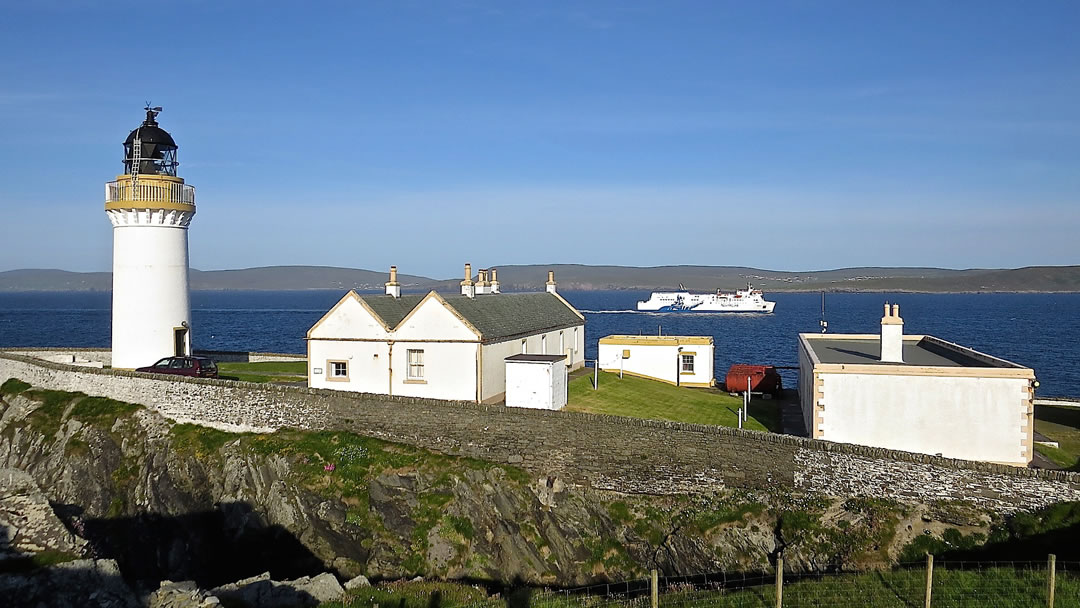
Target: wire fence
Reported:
point(946, 584)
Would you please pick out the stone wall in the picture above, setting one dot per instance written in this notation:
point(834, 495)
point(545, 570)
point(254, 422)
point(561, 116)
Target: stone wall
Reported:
point(604, 452)
point(232, 356)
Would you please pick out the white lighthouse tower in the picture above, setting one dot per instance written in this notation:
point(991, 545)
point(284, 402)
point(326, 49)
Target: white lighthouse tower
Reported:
point(150, 209)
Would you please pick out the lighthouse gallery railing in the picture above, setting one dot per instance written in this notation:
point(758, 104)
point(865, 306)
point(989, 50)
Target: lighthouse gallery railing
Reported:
point(122, 191)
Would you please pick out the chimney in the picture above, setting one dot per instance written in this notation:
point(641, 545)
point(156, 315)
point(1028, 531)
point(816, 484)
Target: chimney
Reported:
point(494, 281)
point(481, 281)
point(467, 286)
point(892, 335)
point(393, 288)
point(551, 281)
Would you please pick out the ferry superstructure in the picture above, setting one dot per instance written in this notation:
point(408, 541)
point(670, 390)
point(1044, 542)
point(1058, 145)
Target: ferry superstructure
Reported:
point(743, 300)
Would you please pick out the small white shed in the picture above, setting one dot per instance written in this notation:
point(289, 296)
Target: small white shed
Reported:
point(536, 381)
point(678, 360)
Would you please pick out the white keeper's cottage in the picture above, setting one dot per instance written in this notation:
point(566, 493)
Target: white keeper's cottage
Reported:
point(441, 346)
point(916, 393)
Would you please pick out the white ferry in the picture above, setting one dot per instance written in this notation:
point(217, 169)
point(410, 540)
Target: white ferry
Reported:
point(743, 300)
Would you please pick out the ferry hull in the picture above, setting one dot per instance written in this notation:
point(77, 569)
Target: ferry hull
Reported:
point(701, 309)
point(749, 300)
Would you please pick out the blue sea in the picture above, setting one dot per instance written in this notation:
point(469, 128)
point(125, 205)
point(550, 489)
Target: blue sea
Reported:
point(1038, 330)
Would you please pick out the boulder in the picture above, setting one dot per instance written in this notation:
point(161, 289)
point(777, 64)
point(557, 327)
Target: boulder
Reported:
point(262, 592)
point(183, 594)
point(357, 583)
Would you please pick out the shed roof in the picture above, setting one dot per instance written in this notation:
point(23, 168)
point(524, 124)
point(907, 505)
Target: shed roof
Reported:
point(625, 340)
point(527, 358)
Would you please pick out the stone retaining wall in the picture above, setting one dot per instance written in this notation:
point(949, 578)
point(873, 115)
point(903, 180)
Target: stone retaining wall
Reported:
point(605, 452)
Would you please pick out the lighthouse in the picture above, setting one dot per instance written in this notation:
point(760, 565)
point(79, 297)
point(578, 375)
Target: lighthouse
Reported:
point(150, 209)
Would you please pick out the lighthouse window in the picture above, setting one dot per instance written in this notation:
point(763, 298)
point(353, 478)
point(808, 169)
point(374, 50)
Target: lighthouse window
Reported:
point(687, 366)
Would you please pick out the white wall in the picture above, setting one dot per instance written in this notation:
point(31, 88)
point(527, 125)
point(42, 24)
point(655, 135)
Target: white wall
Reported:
point(537, 385)
point(368, 364)
point(150, 288)
point(449, 370)
point(970, 418)
point(433, 321)
point(659, 361)
point(495, 354)
point(349, 319)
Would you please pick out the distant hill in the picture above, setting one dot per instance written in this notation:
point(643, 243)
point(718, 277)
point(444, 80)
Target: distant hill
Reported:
point(583, 277)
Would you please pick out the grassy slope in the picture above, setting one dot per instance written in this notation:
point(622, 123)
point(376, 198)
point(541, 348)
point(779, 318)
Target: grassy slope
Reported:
point(641, 398)
point(1004, 587)
point(1061, 424)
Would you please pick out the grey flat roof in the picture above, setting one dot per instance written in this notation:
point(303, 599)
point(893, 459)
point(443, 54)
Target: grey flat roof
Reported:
point(535, 358)
point(917, 351)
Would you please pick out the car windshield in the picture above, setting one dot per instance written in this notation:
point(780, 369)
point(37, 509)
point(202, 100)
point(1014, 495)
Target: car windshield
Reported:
point(163, 363)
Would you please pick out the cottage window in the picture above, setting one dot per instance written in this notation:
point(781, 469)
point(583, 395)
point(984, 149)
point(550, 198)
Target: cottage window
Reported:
point(543, 345)
point(562, 343)
point(524, 346)
point(416, 364)
point(687, 366)
point(339, 370)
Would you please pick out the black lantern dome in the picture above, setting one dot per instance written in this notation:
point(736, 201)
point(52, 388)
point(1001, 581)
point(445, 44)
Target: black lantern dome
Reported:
point(156, 151)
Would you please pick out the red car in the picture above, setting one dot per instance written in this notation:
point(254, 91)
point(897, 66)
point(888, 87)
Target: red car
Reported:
point(199, 367)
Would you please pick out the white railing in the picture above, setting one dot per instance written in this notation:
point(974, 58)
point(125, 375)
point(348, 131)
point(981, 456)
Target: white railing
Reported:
point(122, 191)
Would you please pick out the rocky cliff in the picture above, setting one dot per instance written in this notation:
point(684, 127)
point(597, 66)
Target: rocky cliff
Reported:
point(181, 502)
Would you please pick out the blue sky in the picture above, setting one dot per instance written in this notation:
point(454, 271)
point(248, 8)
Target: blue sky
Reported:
point(779, 135)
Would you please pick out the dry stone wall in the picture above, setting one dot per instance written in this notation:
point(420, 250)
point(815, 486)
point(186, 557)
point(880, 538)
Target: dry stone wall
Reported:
point(604, 452)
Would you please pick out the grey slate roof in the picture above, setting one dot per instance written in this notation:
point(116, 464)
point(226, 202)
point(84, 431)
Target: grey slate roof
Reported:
point(868, 351)
point(495, 316)
point(392, 310)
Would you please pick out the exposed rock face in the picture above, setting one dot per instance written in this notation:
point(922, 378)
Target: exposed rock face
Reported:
point(74, 584)
point(184, 503)
point(27, 521)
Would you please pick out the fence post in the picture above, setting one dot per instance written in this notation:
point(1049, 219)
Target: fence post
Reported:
point(929, 577)
point(1051, 567)
point(779, 582)
point(654, 584)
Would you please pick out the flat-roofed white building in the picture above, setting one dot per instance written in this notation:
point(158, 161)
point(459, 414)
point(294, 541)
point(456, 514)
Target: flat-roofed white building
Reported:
point(441, 346)
point(916, 393)
point(678, 360)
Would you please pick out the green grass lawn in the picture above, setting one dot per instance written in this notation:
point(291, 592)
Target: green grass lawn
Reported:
point(264, 371)
point(641, 398)
point(1061, 424)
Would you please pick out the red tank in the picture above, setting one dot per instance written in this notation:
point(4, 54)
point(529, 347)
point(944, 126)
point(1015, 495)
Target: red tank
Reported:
point(763, 379)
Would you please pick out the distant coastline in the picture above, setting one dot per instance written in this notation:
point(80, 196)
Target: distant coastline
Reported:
point(576, 277)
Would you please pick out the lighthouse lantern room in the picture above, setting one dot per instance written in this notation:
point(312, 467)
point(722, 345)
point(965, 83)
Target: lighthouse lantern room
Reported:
point(150, 209)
